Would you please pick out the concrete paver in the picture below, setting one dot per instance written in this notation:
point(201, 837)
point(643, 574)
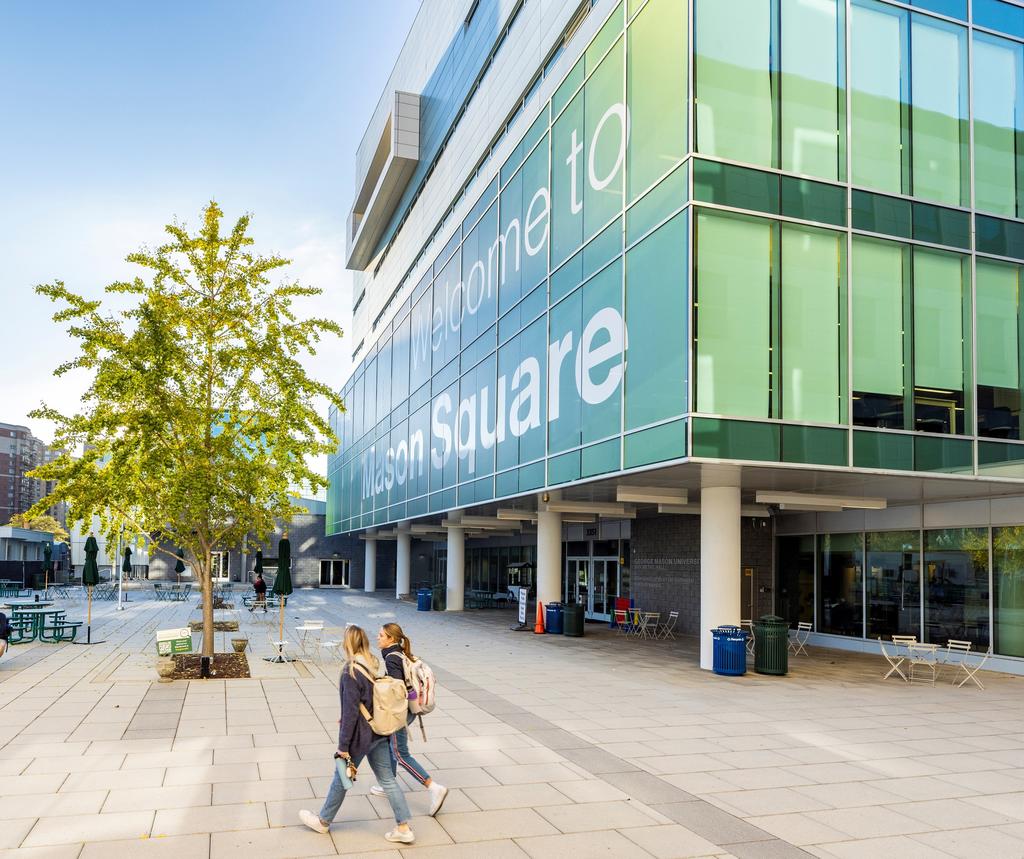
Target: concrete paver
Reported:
point(599, 746)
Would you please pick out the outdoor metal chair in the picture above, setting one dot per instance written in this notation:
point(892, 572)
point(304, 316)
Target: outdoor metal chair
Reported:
point(748, 625)
point(798, 639)
point(622, 620)
point(970, 671)
point(895, 661)
point(667, 629)
point(334, 642)
point(310, 629)
point(649, 623)
point(279, 645)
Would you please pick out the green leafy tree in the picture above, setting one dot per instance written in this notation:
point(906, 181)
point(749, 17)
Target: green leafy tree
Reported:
point(42, 522)
point(199, 415)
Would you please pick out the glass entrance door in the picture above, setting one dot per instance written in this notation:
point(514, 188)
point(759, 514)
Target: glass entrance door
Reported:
point(605, 588)
point(577, 582)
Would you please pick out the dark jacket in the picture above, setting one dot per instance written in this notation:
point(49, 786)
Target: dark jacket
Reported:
point(355, 735)
point(260, 586)
point(393, 665)
point(5, 627)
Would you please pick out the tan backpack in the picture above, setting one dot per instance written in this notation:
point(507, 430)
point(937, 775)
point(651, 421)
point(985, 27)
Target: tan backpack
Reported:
point(390, 704)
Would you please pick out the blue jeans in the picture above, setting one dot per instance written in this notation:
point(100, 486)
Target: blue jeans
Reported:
point(400, 755)
point(380, 762)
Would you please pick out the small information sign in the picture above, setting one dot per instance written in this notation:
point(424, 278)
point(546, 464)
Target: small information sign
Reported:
point(170, 641)
point(523, 594)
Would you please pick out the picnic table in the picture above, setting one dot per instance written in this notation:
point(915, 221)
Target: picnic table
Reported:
point(24, 603)
point(29, 624)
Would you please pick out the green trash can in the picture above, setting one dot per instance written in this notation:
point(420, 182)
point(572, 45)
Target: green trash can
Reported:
point(439, 598)
point(771, 645)
point(572, 620)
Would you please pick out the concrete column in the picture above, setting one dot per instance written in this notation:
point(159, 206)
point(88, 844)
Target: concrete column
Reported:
point(549, 555)
point(719, 556)
point(403, 551)
point(456, 579)
point(370, 566)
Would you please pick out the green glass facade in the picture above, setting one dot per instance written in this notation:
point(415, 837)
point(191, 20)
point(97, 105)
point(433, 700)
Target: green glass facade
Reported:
point(780, 231)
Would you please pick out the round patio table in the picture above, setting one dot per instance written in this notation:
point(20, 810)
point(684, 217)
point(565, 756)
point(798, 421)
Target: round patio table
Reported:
point(14, 605)
point(38, 616)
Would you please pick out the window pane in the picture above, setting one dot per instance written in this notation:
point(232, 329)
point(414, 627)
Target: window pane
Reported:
point(796, 579)
point(998, 124)
point(876, 148)
point(997, 296)
point(656, 313)
point(733, 288)
point(894, 583)
point(841, 584)
point(1008, 582)
point(604, 150)
point(938, 321)
point(566, 176)
point(939, 108)
point(811, 68)
point(657, 92)
point(810, 325)
point(733, 80)
point(956, 586)
point(877, 276)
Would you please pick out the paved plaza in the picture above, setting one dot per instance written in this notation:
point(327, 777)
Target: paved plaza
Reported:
point(553, 747)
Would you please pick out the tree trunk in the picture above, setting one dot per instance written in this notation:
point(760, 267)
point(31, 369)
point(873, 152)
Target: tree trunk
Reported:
point(205, 564)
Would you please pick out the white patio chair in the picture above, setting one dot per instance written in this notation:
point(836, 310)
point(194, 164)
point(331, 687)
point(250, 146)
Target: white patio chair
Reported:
point(279, 645)
point(668, 629)
point(333, 643)
point(895, 661)
point(748, 625)
point(969, 671)
point(798, 638)
point(310, 634)
point(622, 621)
point(954, 655)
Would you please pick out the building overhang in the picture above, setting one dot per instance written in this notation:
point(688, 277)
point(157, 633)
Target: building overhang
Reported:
point(380, 188)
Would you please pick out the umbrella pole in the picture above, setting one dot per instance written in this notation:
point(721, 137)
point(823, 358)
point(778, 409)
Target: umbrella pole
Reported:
point(88, 622)
point(280, 627)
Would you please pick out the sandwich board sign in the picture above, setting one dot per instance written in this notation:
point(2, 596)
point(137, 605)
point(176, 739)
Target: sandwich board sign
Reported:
point(523, 595)
point(170, 641)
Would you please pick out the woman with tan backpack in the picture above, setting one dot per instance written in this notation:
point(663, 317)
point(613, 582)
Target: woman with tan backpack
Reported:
point(356, 740)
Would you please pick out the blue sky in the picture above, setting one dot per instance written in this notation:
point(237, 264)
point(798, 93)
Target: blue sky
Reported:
point(120, 116)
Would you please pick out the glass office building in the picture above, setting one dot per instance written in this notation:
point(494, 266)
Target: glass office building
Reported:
point(784, 237)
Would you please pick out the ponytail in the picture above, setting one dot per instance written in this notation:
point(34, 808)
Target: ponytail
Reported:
point(394, 631)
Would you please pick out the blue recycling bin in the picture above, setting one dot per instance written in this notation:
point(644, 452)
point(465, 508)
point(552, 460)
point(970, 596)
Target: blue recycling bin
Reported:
point(423, 596)
point(553, 618)
point(729, 654)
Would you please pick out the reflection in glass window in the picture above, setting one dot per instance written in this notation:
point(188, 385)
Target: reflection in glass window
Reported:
point(939, 110)
point(1008, 582)
point(878, 327)
point(877, 93)
point(796, 579)
point(893, 583)
point(811, 335)
point(940, 341)
point(998, 295)
point(841, 584)
point(998, 125)
point(656, 311)
point(732, 297)
point(733, 80)
point(813, 114)
point(956, 586)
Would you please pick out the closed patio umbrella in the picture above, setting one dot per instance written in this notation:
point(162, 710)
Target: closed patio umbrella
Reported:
point(47, 563)
point(259, 562)
point(179, 565)
point(90, 578)
point(126, 567)
point(282, 583)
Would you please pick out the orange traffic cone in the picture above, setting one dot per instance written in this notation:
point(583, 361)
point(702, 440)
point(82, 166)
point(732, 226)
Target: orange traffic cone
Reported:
point(538, 628)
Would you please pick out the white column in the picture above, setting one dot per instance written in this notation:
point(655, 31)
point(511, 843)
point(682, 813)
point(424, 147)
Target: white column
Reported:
point(719, 558)
point(403, 551)
point(456, 580)
point(370, 566)
point(549, 555)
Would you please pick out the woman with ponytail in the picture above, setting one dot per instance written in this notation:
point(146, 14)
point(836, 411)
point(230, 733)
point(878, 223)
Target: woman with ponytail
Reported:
point(396, 648)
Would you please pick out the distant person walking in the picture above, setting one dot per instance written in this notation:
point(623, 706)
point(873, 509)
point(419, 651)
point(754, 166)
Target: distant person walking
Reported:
point(260, 587)
point(357, 740)
point(396, 648)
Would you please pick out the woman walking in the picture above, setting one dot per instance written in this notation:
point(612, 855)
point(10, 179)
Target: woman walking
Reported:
point(357, 740)
point(394, 644)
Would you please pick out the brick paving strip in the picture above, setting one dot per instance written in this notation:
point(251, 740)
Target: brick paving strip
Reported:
point(742, 839)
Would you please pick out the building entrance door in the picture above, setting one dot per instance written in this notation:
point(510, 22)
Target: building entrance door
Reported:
point(605, 588)
point(577, 582)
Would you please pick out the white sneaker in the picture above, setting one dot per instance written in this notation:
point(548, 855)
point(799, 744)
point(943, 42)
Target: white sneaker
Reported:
point(438, 794)
point(313, 821)
point(377, 790)
point(400, 837)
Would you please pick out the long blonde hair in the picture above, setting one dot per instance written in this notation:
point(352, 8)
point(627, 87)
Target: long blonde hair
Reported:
point(357, 645)
point(394, 632)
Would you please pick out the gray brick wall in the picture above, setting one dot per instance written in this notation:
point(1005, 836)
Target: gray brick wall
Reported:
point(665, 566)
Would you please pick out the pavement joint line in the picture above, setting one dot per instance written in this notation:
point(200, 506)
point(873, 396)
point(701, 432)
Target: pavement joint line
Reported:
point(698, 808)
